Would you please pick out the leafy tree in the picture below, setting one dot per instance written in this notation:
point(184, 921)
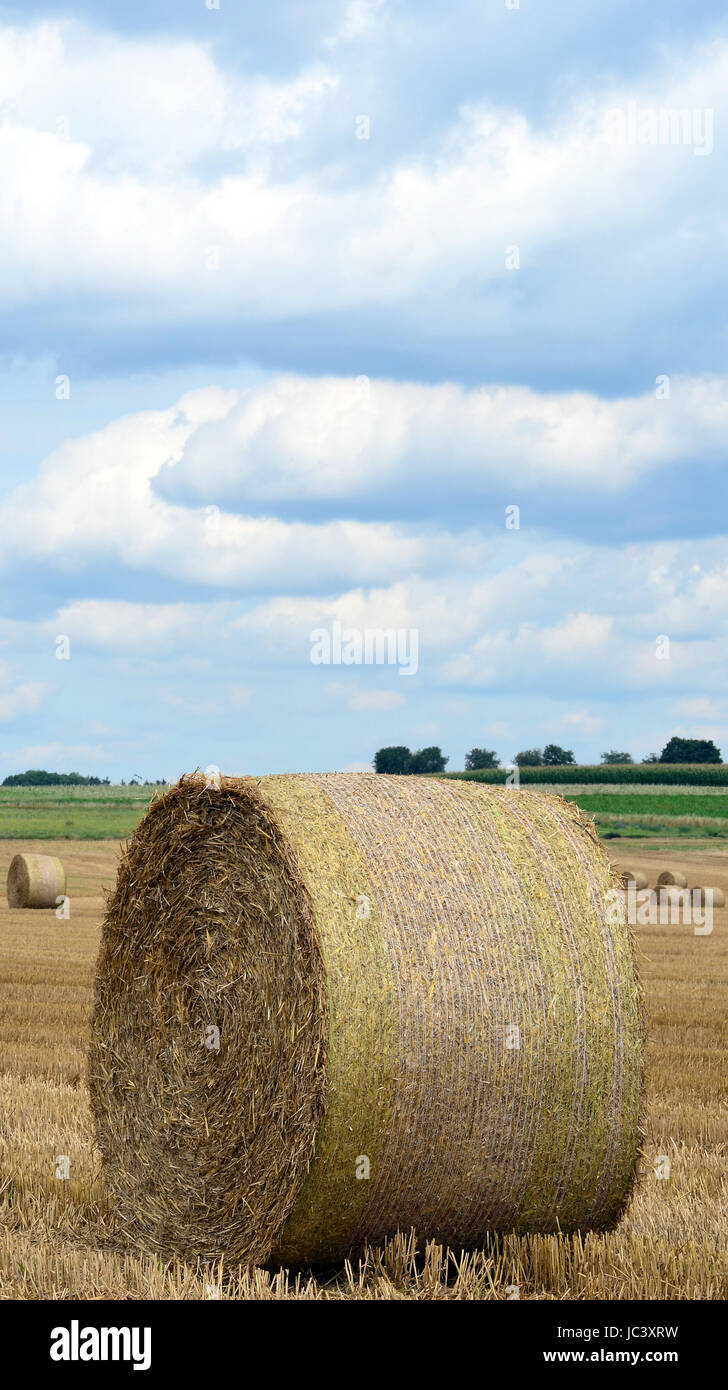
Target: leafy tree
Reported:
point(690, 750)
point(428, 760)
point(555, 756)
point(614, 757)
point(652, 758)
point(479, 758)
point(397, 759)
point(530, 757)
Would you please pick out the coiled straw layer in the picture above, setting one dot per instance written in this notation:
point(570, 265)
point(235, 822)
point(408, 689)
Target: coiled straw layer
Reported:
point(332, 1007)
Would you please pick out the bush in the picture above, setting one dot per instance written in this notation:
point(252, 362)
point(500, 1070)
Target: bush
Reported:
point(614, 757)
point(479, 758)
point(555, 756)
point(396, 759)
point(690, 750)
point(530, 757)
point(400, 761)
point(428, 760)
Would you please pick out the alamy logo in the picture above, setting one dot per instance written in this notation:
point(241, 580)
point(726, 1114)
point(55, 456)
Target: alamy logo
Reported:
point(76, 1343)
point(647, 907)
point(661, 125)
point(369, 646)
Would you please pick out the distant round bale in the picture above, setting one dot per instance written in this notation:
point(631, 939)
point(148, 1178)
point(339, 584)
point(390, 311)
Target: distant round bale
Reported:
point(35, 880)
point(634, 876)
point(718, 895)
point(334, 1007)
point(673, 896)
point(671, 877)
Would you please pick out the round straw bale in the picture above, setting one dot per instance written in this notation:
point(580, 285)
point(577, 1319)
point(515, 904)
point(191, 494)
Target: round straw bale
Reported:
point(35, 880)
point(671, 877)
point(634, 876)
point(332, 1007)
point(672, 895)
point(718, 896)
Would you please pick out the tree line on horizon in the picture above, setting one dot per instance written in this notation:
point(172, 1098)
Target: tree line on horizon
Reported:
point(38, 777)
point(399, 760)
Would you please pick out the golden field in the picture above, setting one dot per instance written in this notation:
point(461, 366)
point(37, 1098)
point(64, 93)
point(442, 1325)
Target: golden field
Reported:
point(58, 1235)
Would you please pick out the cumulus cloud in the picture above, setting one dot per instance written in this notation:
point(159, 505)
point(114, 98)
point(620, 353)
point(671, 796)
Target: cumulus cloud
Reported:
point(587, 723)
point(57, 754)
point(22, 698)
point(356, 439)
point(124, 207)
point(698, 708)
point(358, 19)
point(146, 106)
point(365, 700)
point(162, 203)
point(117, 625)
point(93, 502)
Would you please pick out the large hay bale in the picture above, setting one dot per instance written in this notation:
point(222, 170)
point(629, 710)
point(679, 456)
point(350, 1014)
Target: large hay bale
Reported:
point(35, 880)
point(427, 1016)
point(671, 878)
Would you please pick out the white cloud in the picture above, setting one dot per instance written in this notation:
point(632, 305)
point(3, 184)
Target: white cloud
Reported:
point(198, 708)
point(145, 106)
point(120, 625)
point(218, 702)
point(121, 204)
point(295, 437)
point(359, 18)
point(580, 640)
point(61, 755)
point(22, 699)
point(96, 499)
point(93, 501)
point(364, 700)
point(588, 723)
point(698, 708)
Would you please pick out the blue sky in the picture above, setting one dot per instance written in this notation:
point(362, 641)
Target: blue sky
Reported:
point(295, 304)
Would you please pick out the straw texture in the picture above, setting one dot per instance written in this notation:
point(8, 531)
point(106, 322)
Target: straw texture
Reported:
point(427, 1016)
point(671, 877)
point(717, 896)
point(35, 880)
point(634, 876)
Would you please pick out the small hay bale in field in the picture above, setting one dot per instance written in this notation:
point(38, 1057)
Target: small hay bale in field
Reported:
point(672, 897)
point(634, 876)
point(671, 878)
point(333, 1007)
point(718, 896)
point(35, 880)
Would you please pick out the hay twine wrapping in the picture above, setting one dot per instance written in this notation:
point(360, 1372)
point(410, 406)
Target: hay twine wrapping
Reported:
point(35, 880)
point(335, 1006)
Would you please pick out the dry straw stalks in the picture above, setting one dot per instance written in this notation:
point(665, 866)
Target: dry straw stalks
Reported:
point(334, 1007)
